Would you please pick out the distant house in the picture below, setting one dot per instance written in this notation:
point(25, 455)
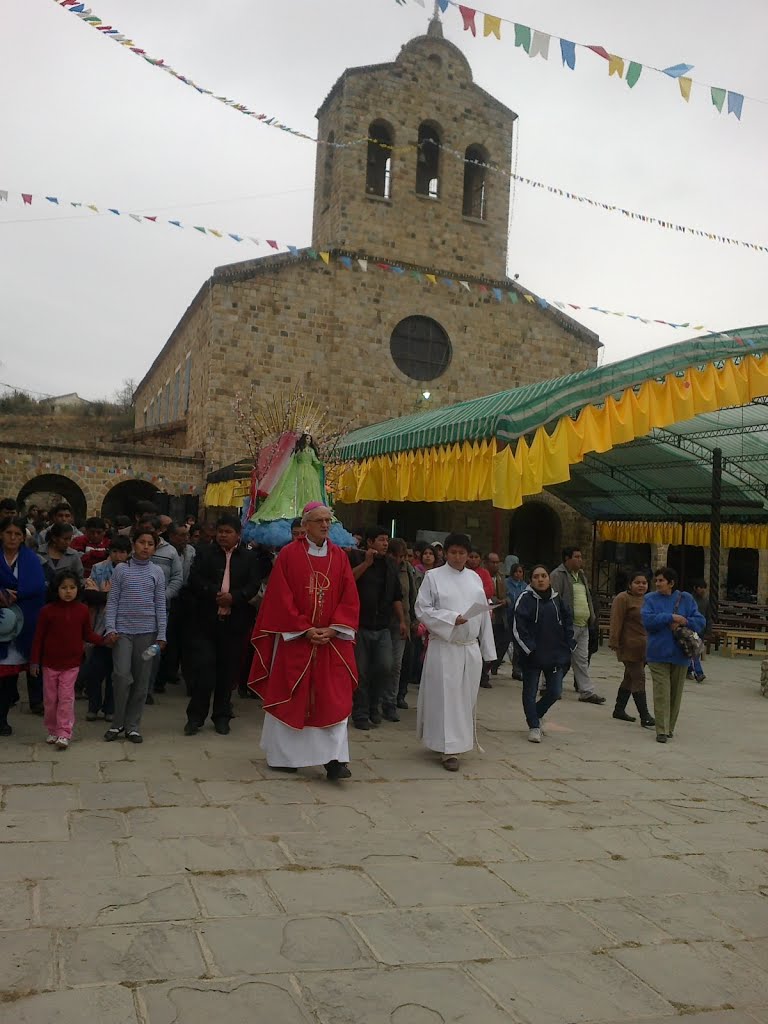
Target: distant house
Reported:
point(66, 403)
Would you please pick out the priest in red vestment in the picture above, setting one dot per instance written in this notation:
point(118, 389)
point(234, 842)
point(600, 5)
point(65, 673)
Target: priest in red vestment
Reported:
point(304, 655)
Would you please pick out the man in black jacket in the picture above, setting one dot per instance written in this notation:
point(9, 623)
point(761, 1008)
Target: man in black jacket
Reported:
point(223, 581)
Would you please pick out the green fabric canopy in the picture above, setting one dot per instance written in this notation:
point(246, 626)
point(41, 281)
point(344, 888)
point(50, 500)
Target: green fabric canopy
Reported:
point(510, 414)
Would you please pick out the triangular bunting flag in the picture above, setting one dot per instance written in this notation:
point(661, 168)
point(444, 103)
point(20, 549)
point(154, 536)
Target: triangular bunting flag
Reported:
point(443, 5)
point(465, 284)
point(615, 66)
point(523, 37)
point(528, 298)
point(363, 264)
point(718, 98)
point(685, 87)
point(92, 207)
point(633, 73)
point(153, 218)
point(735, 103)
point(52, 199)
point(431, 278)
point(539, 45)
point(211, 231)
point(236, 238)
point(3, 196)
point(468, 17)
point(512, 297)
point(135, 216)
point(272, 243)
point(26, 198)
point(345, 262)
point(568, 53)
point(201, 230)
point(293, 250)
point(325, 257)
point(600, 51)
point(176, 223)
point(492, 26)
point(678, 70)
point(497, 294)
point(111, 209)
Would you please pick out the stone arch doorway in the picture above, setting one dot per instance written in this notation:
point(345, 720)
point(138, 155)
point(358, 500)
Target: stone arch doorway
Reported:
point(121, 499)
point(535, 534)
point(48, 489)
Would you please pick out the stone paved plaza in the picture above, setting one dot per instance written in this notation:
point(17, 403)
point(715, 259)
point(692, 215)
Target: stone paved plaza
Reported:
point(597, 877)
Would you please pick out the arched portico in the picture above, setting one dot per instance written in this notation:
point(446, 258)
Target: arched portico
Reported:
point(121, 499)
point(535, 534)
point(48, 488)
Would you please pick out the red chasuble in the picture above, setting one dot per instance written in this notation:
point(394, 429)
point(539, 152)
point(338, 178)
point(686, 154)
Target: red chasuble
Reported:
point(306, 685)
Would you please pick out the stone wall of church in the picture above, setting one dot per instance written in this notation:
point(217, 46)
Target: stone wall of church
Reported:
point(329, 328)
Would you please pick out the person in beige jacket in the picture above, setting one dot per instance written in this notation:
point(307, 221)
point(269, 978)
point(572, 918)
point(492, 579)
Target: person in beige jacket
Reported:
point(627, 637)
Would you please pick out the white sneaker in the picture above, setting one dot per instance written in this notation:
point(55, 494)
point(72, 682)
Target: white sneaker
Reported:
point(51, 738)
point(62, 743)
point(534, 735)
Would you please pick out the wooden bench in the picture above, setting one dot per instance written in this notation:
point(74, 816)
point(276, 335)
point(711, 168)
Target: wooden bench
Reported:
point(742, 641)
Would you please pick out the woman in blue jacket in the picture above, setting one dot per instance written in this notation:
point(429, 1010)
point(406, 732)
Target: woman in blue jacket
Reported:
point(515, 586)
point(662, 613)
point(543, 635)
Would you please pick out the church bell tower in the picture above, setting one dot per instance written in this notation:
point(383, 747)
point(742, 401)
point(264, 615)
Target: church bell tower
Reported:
point(403, 167)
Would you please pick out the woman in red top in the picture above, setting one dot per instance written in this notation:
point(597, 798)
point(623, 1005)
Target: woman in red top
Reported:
point(63, 628)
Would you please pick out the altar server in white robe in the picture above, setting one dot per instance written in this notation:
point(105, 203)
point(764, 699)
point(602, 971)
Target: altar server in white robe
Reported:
point(458, 645)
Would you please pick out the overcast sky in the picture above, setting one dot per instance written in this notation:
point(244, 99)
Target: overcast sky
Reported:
point(89, 300)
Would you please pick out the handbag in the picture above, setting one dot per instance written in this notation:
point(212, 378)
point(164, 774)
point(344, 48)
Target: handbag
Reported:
point(687, 639)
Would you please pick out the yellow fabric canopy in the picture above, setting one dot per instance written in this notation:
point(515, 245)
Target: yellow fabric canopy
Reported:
point(732, 535)
point(482, 471)
point(227, 493)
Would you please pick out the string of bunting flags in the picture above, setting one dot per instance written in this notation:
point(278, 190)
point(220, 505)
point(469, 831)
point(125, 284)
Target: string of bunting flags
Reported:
point(536, 43)
point(87, 15)
point(38, 465)
point(424, 275)
point(28, 198)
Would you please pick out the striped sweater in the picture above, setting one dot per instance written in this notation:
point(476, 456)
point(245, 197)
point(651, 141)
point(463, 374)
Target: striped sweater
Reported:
point(136, 602)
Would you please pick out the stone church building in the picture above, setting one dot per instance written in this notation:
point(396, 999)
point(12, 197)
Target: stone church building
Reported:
point(416, 195)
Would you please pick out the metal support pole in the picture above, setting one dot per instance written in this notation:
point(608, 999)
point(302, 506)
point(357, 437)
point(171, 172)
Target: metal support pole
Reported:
point(682, 558)
point(714, 535)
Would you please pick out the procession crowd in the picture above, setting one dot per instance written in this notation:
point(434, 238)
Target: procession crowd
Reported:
point(322, 635)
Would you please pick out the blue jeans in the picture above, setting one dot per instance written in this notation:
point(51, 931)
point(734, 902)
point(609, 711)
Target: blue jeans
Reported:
point(695, 667)
point(373, 653)
point(536, 709)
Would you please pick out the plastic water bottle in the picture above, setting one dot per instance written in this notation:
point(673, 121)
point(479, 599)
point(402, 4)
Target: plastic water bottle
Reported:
point(151, 652)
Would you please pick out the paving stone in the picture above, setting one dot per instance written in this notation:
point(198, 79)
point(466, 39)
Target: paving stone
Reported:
point(283, 944)
point(566, 844)
point(195, 853)
point(15, 906)
point(173, 792)
point(41, 798)
point(98, 825)
point(114, 794)
point(641, 841)
point(131, 953)
point(484, 845)
point(26, 773)
point(744, 869)
point(234, 895)
point(531, 815)
point(407, 995)
point(321, 851)
point(32, 826)
point(685, 917)
point(332, 890)
point(746, 911)
point(432, 936)
point(659, 875)
point(102, 901)
point(613, 813)
point(527, 929)
point(233, 1000)
point(71, 859)
point(105, 1004)
point(706, 976)
point(65, 770)
point(438, 885)
point(26, 961)
point(168, 822)
point(568, 987)
point(720, 837)
point(622, 921)
point(549, 881)
point(269, 819)
point(132, 770)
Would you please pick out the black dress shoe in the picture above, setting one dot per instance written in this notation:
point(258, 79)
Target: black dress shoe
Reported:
point(486, 684)
point(390, 715)
point(336, 770)
point(191, 729)
point(402, 704)
point(360, 724)
point(661, 737)
point(221, 725)
point(278, 768)
point(36, 709)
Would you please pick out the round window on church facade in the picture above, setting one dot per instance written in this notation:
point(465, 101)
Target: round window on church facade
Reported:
point(420, 348)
